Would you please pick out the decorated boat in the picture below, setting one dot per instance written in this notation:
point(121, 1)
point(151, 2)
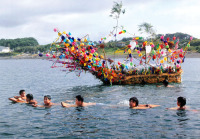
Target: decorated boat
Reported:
point(146, 63)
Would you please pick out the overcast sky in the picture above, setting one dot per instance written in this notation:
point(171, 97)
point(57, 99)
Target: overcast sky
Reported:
point(38, 18)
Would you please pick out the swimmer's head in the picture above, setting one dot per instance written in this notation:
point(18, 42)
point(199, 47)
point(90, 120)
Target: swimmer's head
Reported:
point(143, 82)
point(133, 102)
point(181, 101)
point(165, 82)
point(29, 97)
point(47, 99)
point(22, 93)
point(79, 100)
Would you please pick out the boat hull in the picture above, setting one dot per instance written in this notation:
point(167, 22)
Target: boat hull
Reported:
point(144, 79)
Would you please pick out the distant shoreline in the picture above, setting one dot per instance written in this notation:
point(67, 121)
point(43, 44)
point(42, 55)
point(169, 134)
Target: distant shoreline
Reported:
point(192, 55)
point(27, 56)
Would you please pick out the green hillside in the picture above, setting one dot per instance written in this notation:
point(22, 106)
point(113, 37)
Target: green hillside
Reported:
point(31, 45)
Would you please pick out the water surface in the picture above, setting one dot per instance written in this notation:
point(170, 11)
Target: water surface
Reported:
point(111, 118)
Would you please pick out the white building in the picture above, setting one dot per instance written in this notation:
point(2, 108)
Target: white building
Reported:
point(4, 49)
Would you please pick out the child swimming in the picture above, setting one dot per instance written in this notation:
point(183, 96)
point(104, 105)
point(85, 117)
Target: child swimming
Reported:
point(165, 84)
point(79, 103)
point(30, 100)
point(47, 102)
point(21, 98)
point(134, 104)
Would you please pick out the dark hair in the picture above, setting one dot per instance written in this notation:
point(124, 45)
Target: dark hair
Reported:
point(21, 91)
point(79, 98)
point(182, 101)
point(29, 96)
point(48, 96)
point(143, 82)
point(165, 82)
point(134, 99)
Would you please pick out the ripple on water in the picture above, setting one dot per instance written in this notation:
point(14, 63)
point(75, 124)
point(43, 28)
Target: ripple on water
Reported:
point(110, 118)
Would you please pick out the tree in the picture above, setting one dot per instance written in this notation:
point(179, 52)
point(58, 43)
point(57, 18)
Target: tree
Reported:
point(19, 42)
point(147, 28)
point(116, 12)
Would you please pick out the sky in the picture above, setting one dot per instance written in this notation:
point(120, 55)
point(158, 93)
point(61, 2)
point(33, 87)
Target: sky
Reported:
point(38, 18)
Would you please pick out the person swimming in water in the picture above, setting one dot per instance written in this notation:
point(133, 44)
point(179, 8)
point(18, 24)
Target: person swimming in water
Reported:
point(21, 98)
point(134, 104)
point(165, 83)
point(79, 103)
point(47, 102)
point(30, 100)
point(181, 102)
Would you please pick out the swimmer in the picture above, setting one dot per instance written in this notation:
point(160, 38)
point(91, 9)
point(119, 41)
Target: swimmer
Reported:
point(47, 102)
point(134, 104)
point(21, 98)
point(165, 83)
point(30, 100)
point(79, 103)
point(181, 102)
point(143, 82)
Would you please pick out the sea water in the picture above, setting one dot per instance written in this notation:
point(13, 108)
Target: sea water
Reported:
point(111, 118)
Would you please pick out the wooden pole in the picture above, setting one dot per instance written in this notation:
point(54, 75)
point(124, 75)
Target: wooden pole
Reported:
point(105, 56)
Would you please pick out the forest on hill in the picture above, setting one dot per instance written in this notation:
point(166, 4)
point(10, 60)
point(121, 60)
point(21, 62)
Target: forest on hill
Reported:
point(19, 42)
point(31, 45)
point(183, 40)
